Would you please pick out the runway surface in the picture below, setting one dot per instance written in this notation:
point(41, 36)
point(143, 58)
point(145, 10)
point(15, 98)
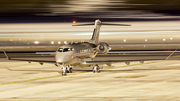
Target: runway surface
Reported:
point(151, 81)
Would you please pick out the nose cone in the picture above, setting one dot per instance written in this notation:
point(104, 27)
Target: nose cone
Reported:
point(60, 61)
point(62, 58)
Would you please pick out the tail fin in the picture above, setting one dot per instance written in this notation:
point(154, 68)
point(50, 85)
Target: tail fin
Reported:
point(95, 36)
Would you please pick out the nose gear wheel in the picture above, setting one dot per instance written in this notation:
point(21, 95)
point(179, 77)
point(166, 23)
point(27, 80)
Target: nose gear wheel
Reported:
point(96, 68)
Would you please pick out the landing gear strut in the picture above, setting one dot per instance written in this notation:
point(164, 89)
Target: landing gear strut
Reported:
point(66, 69)
point(96, 68)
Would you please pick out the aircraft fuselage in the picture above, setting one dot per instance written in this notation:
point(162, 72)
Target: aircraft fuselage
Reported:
point(75, 53)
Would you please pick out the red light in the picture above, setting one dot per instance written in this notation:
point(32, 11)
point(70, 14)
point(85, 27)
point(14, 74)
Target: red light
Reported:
point(74, 22)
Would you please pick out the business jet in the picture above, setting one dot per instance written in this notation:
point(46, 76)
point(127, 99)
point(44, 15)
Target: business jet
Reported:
point(82, 54)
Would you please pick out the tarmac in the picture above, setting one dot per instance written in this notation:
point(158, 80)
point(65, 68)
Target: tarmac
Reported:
point(151, 81)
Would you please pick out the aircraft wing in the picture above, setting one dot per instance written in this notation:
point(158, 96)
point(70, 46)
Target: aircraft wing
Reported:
point(118, 61)
point(127, 61)
point(29, 60)
point(144, 51)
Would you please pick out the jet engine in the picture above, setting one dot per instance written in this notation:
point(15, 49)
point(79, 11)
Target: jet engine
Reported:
point(102, 47)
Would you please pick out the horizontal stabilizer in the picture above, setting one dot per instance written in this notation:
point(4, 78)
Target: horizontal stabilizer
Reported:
point(102, 24)
point(115, 24)
point(84, 24)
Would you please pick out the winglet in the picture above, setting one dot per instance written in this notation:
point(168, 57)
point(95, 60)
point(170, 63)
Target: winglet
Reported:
point(9, 69)
point(170, 55)
point(6, 54)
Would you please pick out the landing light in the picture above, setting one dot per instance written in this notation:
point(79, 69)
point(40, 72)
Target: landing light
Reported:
point(36, 42)
point(171, 38)
point(124, 40)
point(145, 39)
point(164, 39)
point(52, 42)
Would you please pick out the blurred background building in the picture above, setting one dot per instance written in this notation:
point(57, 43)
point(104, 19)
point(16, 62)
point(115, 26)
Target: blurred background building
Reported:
point(140, 9)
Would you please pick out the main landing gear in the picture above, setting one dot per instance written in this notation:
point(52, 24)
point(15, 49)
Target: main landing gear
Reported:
point(66, 69)
point(96, 68)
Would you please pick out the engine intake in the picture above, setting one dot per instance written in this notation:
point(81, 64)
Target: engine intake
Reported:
point(102, 48)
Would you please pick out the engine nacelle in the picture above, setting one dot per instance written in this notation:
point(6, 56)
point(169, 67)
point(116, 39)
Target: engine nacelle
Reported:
point(102, 48)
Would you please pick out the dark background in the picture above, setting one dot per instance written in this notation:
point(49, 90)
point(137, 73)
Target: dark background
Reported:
point(22, 11)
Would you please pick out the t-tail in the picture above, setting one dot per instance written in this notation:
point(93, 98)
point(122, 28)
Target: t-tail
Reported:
point(95, 36)
point(98, 24)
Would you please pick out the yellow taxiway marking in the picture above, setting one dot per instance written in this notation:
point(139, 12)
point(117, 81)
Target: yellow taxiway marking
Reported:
point(33, 79)
point(40, 78)
point(100, 99)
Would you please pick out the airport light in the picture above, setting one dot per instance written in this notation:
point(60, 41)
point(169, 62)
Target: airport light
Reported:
point(19, 39)
point(10, 39)
point(59, 42)
point(146, 40)
point(124, 40)
point(65, 42)
point(74, 22)
point(52, 42)
point(36, 42)
point(171, 38)
point(164, 39)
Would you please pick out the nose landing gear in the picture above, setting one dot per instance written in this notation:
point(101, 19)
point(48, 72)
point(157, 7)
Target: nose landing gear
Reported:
point(96, 68)
point(66, 69)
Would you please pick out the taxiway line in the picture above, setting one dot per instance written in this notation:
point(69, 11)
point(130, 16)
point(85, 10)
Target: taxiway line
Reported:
point(104, 99)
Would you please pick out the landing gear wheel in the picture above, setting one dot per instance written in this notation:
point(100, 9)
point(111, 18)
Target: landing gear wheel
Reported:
point(70, 70)
point(64, 71)
point(64, 74)
point(96, 69)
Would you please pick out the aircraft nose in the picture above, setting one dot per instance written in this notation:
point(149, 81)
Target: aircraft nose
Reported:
point(59, 61)
point(61, 58)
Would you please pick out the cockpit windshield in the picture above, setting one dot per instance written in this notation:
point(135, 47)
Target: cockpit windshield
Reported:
point(65, 49)
point(60, 50)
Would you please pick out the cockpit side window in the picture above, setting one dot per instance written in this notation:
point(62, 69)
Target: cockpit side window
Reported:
point(60, 50)
point(72, 49)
